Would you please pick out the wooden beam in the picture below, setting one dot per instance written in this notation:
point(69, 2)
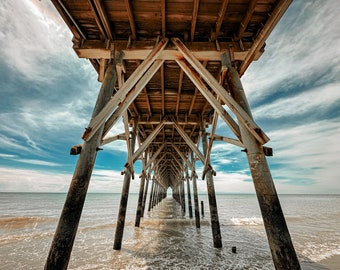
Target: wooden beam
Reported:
point(139, 50)
point(194, 19)
point(185, 159)
point(122, 107)
point(163, 89)
point(163, 7)
point(188, 140)
point(180, 83)
point(195, 94)
point(210, 97)
point(154, 156)
point(131, 19)
point(246, 19)
point(68, 19)
point(220, 91)
point(228, 140)
point(100, 118)
point(148, 140)
point(104, 18)
point(113, 138)
point(98, 20)
point(219, 20)
point(274, 18)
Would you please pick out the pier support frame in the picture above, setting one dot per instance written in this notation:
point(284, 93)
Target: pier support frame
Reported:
point(124, 197)
point(62, 243)
point(281, 246)
point(215, 224)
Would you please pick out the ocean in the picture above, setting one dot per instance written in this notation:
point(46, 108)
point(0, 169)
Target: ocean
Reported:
point(165, 239)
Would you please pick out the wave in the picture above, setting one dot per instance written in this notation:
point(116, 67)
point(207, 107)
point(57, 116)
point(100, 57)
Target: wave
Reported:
point(252, 221)
point(23, 222)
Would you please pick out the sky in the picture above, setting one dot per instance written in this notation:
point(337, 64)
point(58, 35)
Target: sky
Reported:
point(47, 95)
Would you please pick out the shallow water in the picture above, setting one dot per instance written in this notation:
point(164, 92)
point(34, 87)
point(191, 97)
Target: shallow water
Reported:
point(166, 239)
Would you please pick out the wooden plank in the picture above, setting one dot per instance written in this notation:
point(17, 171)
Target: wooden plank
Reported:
point(163, 7)
point(194, 19)
point(113, 138)
point(228, 140)
point(154, 156)
point(97, 19)
point(185, 159)
point(246, 19)
point(104, 19)
point(131, 19)
point(219, 20)
point(180, 82)
point(210, 97)
point(123, 106)
point(148, 140)
point(187, 139)
point(139, 50)
point(219, 90)
point(96, 122)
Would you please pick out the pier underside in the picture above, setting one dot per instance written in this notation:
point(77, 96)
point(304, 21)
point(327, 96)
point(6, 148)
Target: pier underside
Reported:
point(170, 69)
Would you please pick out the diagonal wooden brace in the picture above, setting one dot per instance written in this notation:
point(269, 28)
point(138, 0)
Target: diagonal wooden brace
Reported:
point(249, 123)
point(100, 118)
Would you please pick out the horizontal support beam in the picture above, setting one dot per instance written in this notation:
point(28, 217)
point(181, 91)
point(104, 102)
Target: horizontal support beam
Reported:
point(139, 50)
point(228, 140)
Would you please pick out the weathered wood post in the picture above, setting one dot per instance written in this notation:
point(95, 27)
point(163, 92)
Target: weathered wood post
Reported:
point(140, 199)
point(194, 186)
point(215, 224)
point(182, 196)
point(145, 194)
point(124, 197)
point(61, 247)
point(151, 194)
point(281, 246)
point(189, 197)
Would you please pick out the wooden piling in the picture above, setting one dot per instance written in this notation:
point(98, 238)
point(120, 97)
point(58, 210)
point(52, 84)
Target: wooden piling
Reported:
point(145, 194)
point(189, 197)
point(124, 198)
point(202, 208)
point(215, 224)
point(151, 194)
point(197, 211)
point(62, 243)
point(281, 246)
point(140, 200)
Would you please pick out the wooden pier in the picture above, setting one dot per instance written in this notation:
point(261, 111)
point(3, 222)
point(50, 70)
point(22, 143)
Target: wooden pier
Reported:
point(169, 69)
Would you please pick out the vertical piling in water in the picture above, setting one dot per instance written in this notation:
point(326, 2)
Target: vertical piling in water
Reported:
point(124, 198)
point(281, 246)
point(140, 199)
point(182, 197)
point(151, 194)
point(202, 208)
point(215, 224)
point(189, 197)
point(145, 194)
point(194, 187)
point(62, 243)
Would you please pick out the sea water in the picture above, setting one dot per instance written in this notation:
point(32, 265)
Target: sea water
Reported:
point(166, 239)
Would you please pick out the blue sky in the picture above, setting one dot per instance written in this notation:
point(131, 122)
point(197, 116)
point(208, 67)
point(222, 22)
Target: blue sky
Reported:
point(47, 95)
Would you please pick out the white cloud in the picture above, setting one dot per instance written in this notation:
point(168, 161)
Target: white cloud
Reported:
point(300, 49)
point(29, 42)
point(313, 102)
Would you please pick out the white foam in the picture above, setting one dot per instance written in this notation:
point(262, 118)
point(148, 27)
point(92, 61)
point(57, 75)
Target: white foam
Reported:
point(252, 221)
